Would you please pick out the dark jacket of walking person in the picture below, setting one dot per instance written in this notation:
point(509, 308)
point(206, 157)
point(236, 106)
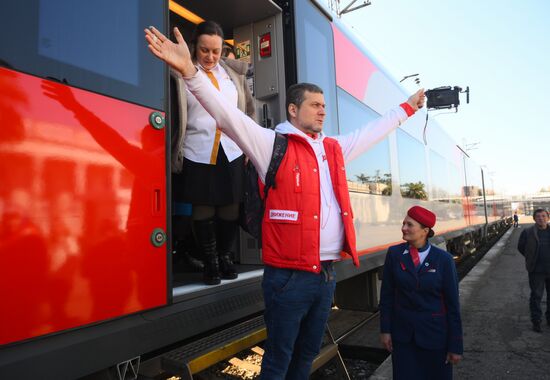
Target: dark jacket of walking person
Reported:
point(534, 244)
point(308, 221)
point(208, 165)
point(420, 320)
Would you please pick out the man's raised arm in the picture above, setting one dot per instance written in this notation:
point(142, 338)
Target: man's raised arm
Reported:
point(256, 142)
point(359, 141)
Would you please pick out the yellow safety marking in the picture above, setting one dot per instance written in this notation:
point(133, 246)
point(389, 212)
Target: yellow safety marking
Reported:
point(327, 352)
point(202, 362)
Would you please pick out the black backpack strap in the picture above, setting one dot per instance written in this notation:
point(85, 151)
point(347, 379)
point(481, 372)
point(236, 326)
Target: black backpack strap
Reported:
point(279, 149)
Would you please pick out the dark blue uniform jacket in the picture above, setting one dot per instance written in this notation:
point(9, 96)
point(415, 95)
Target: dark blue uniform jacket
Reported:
point(421, 304)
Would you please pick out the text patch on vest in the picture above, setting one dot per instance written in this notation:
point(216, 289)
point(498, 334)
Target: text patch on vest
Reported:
point(288, 215)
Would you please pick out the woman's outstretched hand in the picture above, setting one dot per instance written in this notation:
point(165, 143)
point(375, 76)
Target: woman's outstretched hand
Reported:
point(174, 54)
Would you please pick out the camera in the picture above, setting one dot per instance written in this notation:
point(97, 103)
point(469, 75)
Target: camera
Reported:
point(445, 97)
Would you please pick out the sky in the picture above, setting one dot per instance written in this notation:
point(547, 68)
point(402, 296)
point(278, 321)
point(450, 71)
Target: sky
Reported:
point(500, 49)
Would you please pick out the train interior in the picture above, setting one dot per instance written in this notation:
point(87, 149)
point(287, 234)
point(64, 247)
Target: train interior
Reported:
point(254, 30)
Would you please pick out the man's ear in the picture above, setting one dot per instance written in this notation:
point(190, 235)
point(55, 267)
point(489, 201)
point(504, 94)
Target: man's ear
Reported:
point(292, 110)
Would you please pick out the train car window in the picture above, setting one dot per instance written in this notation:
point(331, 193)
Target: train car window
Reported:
point(456, 179)
point(370, 173)
point(413, 176)
point(94, 45)
point(315, 57)
point(440, 185)
point(473, 179)
point(474, 190)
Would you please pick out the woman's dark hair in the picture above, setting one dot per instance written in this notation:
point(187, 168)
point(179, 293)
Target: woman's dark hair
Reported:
point(431, 232)
point(210, 28)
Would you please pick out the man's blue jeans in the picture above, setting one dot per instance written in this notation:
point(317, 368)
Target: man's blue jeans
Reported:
point(297, 306)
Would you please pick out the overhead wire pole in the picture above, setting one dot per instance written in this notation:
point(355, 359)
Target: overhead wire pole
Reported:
point(348, 8)
point(335, 6)
point(408, 76)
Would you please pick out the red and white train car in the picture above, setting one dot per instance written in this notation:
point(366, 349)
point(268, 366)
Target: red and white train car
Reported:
point(87, 279)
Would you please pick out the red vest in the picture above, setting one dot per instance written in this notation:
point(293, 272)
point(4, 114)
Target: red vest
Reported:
point(291, 223)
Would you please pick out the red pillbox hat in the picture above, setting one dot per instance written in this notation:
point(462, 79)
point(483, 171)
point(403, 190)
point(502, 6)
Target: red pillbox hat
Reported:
point(422, 216)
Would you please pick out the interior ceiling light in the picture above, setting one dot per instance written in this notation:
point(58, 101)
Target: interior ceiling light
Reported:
point(190, 16)
point(186, 14)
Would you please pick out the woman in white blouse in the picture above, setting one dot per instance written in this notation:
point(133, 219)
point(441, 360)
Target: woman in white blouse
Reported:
point(208, 166)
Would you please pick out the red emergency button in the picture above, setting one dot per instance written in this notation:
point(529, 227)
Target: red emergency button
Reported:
point(265, 45)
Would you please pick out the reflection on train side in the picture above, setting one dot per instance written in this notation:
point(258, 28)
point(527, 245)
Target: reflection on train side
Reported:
point(74, 204)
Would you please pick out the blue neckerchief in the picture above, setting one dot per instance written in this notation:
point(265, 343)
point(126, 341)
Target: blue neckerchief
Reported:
point(425, 247)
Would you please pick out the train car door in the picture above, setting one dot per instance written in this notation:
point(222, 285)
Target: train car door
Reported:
point(82, 165)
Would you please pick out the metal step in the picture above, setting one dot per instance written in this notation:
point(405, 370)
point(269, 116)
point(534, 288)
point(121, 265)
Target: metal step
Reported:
point(203, 353)
point(197, 356)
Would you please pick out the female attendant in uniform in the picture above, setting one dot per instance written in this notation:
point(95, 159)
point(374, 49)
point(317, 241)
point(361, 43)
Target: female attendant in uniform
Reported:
point(209, 166)
point(419, 310)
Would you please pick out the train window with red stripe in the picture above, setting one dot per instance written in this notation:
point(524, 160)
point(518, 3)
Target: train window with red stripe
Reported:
point(95, 45)
point(370, 173)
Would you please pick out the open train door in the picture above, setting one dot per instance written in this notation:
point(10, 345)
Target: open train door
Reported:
point(260, 36)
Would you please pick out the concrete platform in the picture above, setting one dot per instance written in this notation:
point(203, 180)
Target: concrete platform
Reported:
point(498, 340)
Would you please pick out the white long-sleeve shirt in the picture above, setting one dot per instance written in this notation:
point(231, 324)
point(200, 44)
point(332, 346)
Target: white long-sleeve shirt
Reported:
point(257, 143)
point(201, 127)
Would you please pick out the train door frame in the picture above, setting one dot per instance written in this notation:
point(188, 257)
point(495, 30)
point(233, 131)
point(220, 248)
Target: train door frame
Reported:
point(247, 28)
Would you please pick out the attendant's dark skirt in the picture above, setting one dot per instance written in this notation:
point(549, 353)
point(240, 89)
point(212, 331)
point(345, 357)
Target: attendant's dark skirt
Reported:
point(410, 362)
point(210, 185)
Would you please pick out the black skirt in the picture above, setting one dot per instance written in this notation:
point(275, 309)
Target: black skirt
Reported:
point(210, 185)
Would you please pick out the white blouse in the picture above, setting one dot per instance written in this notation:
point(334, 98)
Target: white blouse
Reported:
point(201, 127)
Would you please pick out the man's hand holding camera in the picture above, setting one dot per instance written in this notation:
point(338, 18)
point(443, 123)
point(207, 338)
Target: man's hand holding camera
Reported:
point(416, 100)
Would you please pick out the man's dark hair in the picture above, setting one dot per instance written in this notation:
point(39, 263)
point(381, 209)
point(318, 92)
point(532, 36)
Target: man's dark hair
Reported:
point(296, 94)
point(540, 210)
point(210, 28)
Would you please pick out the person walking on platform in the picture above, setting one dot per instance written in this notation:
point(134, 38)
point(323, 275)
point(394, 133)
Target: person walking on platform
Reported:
point(308, 219)
point(534, 244)
point(208, 166)
point(516, 219)
point(420, 321)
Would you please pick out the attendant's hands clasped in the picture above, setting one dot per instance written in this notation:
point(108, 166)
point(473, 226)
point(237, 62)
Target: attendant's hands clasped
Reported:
point(174, 54)
point(386, 341)
point(453, 358)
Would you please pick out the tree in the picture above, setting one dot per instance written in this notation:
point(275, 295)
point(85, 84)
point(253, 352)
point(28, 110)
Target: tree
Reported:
point(414, 190)
point(363, 178)
point(386, 181)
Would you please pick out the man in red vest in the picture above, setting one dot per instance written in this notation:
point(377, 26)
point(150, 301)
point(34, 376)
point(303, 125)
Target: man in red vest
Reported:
point(308, 220)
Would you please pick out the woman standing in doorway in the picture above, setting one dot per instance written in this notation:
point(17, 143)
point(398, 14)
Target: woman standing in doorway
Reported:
point(419, 308)
point(209, 166)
